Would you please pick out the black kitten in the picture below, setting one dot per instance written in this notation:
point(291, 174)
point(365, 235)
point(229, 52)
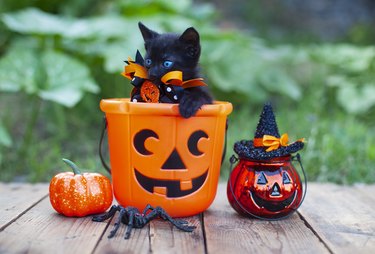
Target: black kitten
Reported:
point(171, 52)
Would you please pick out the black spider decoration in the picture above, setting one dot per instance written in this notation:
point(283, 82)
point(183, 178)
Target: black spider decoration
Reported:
point(134, 219)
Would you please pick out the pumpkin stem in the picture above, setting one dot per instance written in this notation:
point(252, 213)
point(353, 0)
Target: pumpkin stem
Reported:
point(71, 164)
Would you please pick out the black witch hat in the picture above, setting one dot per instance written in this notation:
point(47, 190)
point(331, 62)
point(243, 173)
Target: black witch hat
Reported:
point(267, 143)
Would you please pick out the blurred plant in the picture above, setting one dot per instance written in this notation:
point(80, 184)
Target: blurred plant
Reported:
point(351, 71)
point(5, 140)
point(57, 58)
point(56, 61)
point(36, 67)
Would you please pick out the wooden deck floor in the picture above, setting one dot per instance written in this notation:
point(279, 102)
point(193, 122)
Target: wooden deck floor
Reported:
point(333, 219)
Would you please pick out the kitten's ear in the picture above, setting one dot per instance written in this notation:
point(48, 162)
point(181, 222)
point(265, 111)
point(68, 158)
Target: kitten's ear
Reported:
point(146, 32)
point(190, 36)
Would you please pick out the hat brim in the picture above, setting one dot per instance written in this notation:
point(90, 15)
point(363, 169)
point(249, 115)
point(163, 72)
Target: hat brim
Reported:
point(245, 149)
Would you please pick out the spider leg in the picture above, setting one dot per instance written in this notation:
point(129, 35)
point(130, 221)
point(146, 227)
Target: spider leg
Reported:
point(107, 215)
point(151, 215)
point(181, 221)
point(157, 213)
point(117, 223)
point(180, 224)
point(130, 225)
point(148, 207)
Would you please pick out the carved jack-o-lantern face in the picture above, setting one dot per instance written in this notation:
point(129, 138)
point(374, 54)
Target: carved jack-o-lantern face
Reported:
point(269, 190)
point(172, 159)
point(160, 181)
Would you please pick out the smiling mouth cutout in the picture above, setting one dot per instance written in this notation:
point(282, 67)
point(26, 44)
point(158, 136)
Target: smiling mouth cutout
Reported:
point(272, 206)
point(170, 188)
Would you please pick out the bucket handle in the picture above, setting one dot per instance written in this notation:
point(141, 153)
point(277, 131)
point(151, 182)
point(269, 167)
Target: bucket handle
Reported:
point(225, 142)
point(104, 130)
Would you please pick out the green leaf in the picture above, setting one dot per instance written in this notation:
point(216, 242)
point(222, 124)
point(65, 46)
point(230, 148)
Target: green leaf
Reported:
point(68, 97)
point(5, 139)
point(35, 21)
point(336, 80)
point(230, 62)
point(32, 20)
point(278, 81)
point(103, 27)
point(356, 99)
point(67, 79)
point(116, 53)
point(349, 58)
point(147, 7)
point(18, 71)
point(51, 75)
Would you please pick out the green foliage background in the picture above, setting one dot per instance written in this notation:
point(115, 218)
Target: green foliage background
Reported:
point(59, 58)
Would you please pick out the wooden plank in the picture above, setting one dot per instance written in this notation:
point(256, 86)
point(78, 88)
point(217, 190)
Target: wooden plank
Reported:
point(167, 239)
point(16, 198)
point(339, 219)
point(342, 216)
point(157, 237)
point(42, 230)
point(367, 191)
point(228, 232)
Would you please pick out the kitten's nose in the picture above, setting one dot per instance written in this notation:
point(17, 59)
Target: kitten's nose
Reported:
point(152, 74)
point(152, 77)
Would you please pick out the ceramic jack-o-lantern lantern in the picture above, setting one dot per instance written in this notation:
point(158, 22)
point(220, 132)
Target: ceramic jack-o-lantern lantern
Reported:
point(264, 183)
point(159, 158)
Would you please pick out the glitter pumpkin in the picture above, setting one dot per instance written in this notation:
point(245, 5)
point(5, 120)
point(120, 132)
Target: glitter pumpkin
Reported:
point(79, 194)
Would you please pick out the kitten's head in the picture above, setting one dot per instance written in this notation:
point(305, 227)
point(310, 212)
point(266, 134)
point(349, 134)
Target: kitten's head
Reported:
point(170, 52)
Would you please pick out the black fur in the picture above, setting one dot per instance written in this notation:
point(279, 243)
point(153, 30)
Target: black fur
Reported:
point(184, 51)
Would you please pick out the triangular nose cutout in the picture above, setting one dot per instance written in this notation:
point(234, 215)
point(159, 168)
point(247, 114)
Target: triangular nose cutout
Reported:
point(275, 190)
point(174, 161)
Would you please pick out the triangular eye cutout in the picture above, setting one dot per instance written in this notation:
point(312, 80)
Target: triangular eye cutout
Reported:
point(262, 178)
point(286, 178)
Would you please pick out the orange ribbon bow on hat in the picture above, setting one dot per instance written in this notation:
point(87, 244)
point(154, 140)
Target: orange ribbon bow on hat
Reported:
point(273, 142)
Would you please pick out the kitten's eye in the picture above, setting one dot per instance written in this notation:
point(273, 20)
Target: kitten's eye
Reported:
point(167, 64)
point(148, 62)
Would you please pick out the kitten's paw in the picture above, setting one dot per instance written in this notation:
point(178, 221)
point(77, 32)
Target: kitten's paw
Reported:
point(192, 100)
point(189, 106)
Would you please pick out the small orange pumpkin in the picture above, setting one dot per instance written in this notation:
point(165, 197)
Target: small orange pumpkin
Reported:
point(80, 194)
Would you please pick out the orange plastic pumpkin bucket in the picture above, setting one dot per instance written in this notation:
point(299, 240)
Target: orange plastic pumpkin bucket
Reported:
point(159, 158)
